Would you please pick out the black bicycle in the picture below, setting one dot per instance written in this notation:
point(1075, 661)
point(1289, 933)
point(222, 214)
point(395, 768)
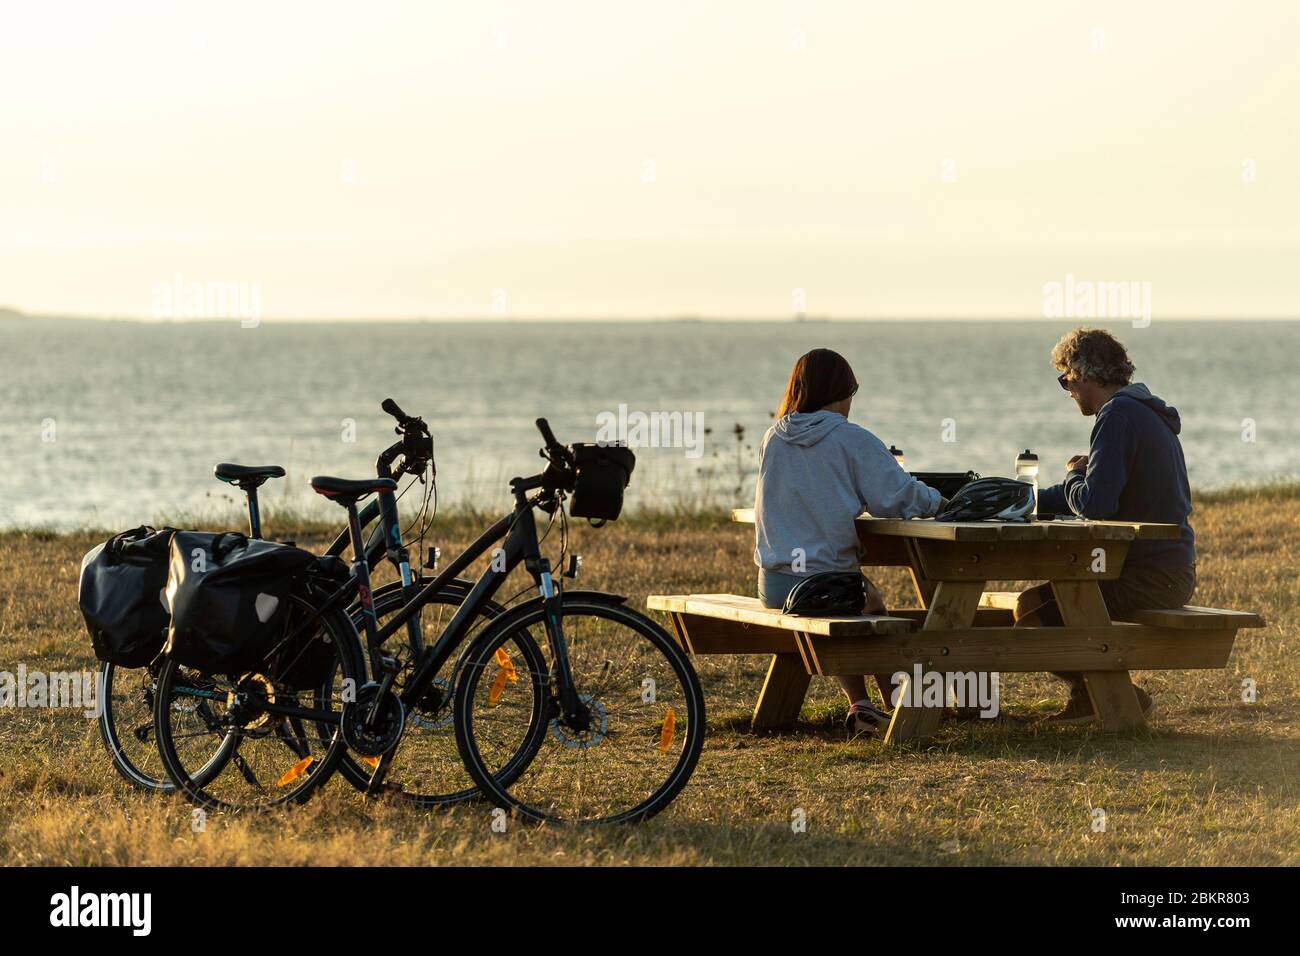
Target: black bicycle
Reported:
point(604, 725)
point(127, 719)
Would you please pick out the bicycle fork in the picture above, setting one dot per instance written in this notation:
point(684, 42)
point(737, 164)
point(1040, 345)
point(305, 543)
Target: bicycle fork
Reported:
point(576, 713)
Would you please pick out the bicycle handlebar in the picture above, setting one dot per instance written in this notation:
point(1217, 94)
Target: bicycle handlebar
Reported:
point(391, 408)
point(548, 436)
point(558, 474)
point(415, 446)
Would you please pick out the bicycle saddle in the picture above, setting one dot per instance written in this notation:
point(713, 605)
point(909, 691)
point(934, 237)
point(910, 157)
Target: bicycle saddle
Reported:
point(246, 476)
point(346, 492)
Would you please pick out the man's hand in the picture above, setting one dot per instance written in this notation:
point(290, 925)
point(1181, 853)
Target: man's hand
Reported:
point(1077, 463)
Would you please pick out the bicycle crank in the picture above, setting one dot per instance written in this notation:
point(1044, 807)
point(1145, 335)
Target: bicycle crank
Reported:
point(381, 735)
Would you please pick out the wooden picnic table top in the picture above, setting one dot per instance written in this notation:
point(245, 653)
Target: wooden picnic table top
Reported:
point(1057, 530)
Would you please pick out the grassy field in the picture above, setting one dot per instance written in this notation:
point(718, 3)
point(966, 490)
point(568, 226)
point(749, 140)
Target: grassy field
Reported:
point(1215, 781)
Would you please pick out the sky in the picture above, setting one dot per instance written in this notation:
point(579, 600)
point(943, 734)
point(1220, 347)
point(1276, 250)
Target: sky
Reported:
point(617, 159)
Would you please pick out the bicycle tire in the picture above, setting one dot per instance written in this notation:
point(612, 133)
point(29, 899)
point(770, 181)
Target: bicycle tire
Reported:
point(110, 734)
point(502, 790)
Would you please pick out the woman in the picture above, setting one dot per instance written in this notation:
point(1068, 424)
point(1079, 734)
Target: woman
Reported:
point(818, 471)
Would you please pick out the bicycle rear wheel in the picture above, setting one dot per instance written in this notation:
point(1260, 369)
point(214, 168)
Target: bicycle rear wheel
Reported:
point(281, 741)
point(631, 752)
point(126, 726)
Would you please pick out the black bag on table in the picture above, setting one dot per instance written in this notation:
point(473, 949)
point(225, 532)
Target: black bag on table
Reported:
point(121, 595)
point(602, 472)
point(230, 599)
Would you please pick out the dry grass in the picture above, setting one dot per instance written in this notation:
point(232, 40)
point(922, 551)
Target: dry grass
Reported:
point(1215, 781)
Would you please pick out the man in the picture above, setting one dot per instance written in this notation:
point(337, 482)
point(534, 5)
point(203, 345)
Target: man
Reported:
point(1134, 471)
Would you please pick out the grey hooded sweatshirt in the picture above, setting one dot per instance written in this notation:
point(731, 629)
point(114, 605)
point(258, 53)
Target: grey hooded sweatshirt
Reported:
point(817, 471)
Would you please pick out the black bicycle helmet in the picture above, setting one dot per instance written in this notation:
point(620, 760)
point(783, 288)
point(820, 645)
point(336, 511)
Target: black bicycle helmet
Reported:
point(828, 593)
point(991, 499)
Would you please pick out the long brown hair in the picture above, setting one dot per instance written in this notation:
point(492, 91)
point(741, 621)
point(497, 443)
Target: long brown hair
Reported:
point(819, 378)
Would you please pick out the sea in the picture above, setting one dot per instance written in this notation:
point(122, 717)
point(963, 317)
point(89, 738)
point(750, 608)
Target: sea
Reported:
point(110, 424)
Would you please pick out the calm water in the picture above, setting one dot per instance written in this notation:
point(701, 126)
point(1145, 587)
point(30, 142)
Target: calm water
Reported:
point(139, 413)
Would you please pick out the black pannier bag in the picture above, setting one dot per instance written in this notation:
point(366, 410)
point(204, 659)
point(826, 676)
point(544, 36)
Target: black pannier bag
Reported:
point(121, 596)
point(602, 472)
point(302, 658)
point(229, 598)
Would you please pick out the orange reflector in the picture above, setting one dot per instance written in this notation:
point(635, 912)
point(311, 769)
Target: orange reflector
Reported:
point(370, 761)
point(666, 735)
point(294, 772)
point(498, 686)
point(507, 665)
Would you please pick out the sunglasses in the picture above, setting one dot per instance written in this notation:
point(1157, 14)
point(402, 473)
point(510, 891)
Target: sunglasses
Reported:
point(1064, 380)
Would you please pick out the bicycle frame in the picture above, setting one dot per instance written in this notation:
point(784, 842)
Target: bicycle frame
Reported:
point(385, 540)
point(519, 529)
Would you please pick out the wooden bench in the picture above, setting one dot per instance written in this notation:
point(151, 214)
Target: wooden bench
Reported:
point(731, 624)
point(1188, 618)
point(801, 647)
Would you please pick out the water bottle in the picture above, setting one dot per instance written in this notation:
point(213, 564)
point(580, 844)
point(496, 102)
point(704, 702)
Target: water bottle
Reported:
point(898, 457)
point(1027, 471)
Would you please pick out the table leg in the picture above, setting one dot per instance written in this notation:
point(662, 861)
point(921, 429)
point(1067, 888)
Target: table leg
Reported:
point(783, 692)
point(923, 586)
point(953, 606)
point(1112, 694)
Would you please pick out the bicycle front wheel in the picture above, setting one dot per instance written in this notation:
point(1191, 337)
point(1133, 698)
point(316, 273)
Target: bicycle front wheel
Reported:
point(628, 752)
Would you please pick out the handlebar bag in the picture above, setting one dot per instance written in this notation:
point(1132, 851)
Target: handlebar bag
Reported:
point(120, 593)
point(229, 597)
point(601, 474)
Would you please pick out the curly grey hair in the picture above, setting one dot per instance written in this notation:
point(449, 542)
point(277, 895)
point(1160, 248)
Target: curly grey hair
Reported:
point(1093, 354)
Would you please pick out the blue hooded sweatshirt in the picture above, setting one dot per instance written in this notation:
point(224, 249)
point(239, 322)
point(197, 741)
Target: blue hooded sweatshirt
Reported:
point(1136, 472)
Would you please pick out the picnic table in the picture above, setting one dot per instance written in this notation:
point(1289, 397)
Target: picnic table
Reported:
point(960, 625)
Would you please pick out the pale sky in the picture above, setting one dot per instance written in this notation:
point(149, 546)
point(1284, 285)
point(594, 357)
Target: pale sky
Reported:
point(612, 159)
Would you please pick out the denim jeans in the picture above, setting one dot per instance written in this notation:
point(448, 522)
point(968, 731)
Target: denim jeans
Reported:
point(774, 586)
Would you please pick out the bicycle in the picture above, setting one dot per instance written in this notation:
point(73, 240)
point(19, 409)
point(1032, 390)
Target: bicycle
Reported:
point(564, 736)
point(126, 721)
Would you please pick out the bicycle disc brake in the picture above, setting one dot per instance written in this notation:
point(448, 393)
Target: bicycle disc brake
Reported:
point(596, 730)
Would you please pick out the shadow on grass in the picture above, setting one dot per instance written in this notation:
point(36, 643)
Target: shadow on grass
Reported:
point(1241, 756)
